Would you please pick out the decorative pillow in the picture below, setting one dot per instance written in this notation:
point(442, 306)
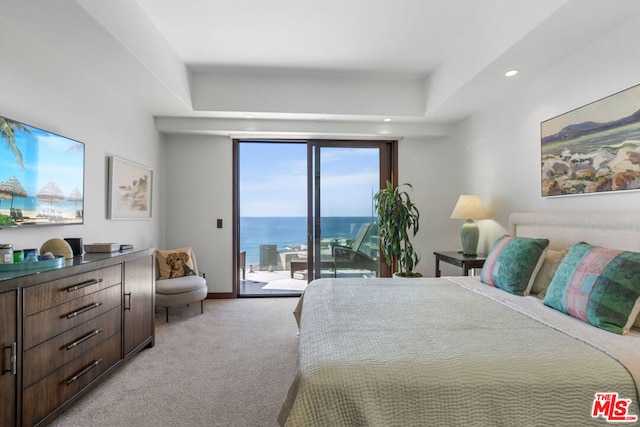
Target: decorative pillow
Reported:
point(513, 262)
point(598, 285)
point(552, 260)
point(175, 263)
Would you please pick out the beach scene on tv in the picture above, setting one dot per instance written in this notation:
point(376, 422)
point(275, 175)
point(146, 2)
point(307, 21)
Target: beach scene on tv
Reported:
point(41, 177)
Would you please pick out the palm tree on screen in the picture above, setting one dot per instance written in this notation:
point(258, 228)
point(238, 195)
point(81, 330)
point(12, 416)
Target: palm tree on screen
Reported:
point(8, 129)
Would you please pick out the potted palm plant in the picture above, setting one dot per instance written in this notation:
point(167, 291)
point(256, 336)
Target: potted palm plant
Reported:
point(398, 220)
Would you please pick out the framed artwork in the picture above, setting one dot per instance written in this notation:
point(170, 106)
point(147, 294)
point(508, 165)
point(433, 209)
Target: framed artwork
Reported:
point(130, 189)
point(594, 148)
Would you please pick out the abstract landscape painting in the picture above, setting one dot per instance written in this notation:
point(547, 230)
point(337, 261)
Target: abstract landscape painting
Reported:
point(593, 149)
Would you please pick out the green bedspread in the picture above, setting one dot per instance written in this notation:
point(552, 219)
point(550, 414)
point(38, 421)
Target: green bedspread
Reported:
point(414, 352)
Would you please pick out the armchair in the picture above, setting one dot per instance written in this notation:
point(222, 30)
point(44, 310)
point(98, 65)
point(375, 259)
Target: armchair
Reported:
point(178, 281)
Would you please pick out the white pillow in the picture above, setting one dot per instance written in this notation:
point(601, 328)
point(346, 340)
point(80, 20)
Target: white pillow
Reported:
point(552, 259)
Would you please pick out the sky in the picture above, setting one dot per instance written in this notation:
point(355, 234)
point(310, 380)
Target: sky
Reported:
point(273, 180)
point(46, 157)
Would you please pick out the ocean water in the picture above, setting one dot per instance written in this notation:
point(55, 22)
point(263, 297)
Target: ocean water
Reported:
point(291, 231)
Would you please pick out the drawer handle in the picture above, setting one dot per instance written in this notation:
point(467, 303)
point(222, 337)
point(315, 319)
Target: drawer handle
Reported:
point(83, 310)
point(84, 371)
point(83, 339)
point(83, 285)
point(14, 358)
point(128, 294)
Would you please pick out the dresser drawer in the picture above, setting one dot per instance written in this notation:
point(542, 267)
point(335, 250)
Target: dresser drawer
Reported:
point(49, 323)
point(45, 358)
point(52, 391)
point(41, 297)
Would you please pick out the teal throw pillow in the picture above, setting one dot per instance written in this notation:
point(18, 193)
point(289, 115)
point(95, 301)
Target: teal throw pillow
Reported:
point(513, 262)
point(599, 286)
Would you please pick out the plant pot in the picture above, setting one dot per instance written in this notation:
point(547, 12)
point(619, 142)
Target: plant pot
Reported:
point(413, 275)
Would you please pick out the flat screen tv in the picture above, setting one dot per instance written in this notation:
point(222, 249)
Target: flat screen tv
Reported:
point(41, 177)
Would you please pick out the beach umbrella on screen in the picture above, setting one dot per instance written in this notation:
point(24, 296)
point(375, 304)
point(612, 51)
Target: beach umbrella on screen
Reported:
point(50, 193)
point(75, 196)
point(12, 188)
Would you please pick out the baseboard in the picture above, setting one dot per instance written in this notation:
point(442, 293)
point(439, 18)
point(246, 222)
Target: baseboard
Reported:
point(220, 295)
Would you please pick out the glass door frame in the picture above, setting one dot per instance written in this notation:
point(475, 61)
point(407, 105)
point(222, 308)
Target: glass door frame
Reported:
point(388, 172)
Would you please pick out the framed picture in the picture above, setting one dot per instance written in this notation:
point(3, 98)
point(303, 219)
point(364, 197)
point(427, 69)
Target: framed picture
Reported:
point(593, 149)
point(130, 189)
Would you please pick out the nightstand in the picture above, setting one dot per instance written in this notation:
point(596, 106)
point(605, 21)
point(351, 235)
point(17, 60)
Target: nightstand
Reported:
point(467, 262)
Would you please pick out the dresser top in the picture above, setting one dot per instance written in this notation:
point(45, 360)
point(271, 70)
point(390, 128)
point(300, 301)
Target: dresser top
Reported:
point(78, 264)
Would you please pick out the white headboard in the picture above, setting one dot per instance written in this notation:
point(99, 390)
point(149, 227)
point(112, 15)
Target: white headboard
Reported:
point(616, 230)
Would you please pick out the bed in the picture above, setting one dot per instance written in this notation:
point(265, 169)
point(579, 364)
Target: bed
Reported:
point(457, 351)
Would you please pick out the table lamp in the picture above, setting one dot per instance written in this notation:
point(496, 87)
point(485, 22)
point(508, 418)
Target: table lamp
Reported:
point(469, 207)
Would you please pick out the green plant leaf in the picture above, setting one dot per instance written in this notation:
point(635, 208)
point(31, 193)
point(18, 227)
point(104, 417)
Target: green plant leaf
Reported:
point(398, 219)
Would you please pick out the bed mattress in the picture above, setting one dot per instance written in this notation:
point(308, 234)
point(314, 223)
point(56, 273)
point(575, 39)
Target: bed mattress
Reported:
point(409, 352)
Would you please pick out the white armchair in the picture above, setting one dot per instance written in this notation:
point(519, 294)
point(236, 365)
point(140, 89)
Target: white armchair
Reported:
point(178, 281)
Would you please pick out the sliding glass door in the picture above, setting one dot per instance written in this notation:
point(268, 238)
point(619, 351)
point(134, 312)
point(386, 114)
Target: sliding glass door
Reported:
point(304, 210)
point(272, 216)
point(342, 221)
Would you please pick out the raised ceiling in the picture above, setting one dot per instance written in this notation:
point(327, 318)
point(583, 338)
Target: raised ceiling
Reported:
point(316, 67)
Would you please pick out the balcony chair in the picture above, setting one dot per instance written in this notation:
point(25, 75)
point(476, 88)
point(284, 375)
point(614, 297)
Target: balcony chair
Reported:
point(347, 258)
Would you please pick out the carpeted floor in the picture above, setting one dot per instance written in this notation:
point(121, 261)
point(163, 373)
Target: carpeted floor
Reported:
point(230, 366)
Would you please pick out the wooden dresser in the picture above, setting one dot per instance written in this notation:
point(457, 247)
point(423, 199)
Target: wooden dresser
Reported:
point(63, 329)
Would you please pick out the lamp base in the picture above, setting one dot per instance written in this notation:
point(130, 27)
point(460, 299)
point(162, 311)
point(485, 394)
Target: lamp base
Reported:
point(469, 236)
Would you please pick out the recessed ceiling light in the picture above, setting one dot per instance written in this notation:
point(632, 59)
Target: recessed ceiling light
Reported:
point(387, 119)
point(511, 73)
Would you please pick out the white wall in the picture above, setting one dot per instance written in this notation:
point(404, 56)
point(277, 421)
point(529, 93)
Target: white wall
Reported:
point(500, 145)
point(435, 171)
point(198, 191)
point(274, 92)
point(43, 88)
point(496, 152)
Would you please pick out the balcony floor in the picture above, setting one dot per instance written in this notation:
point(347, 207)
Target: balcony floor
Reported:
point(280, 283)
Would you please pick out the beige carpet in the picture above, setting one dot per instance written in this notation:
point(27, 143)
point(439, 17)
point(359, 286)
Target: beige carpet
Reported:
point(231, 366)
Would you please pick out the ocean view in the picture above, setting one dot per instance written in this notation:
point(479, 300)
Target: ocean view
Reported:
point(291, 231)
point(31, 205)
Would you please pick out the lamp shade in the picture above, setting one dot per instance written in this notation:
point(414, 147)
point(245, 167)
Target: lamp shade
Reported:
point(469, 206)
